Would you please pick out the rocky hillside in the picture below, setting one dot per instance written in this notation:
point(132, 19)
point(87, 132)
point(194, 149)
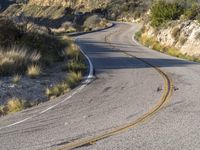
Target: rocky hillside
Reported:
point(174, 28)
point(182, 35)
point(112, 9)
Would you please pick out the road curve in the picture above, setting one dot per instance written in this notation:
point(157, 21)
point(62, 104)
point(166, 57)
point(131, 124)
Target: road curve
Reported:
point(127, 87)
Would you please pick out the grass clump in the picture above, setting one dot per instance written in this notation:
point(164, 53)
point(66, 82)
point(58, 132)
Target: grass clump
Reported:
point(94, 22)
point(72, 52)
point(58, 90)
point(73, 78)
point(154, 44)
point(16, 78)
point(33, 71)
point(14, 105)
point(15, 59)
point(75, 66)
point(19, 48)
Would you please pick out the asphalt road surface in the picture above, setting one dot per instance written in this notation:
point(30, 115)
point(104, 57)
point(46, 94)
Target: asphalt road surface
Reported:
point(116, 110)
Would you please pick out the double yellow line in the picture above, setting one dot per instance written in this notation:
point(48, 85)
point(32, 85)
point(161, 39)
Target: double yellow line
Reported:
point(168, 89)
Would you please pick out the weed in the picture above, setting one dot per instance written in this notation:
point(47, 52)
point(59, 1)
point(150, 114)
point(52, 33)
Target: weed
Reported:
point(16, 59)
point(58, 90)
point(33, 71)
point(76, 66)
point(73, 78)
point(16, 78)
point(14, 105)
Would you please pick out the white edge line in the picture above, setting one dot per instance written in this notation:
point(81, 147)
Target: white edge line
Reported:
point(87, 81)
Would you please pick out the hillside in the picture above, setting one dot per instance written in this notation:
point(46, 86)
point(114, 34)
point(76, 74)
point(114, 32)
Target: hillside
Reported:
point(173, 28)
point(112, 9)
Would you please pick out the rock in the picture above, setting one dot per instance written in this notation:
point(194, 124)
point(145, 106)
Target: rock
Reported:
point(187, 40)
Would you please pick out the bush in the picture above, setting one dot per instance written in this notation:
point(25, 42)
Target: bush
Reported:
point(14, 105)
point(95, 21)
point(73, 78)
point(76, 66)
point(15, 60)
point(163, 11)
point(58, 90)
point(33, 71)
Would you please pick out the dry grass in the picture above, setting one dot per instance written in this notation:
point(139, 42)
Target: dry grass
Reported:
point(33, 71)
point(72, 51)
point(95, 22)
point(16, 78)
point(14, 105)
point(16, 59)
point(57, 90)
point(151, 42)
point(73, 78)
point(76, 66)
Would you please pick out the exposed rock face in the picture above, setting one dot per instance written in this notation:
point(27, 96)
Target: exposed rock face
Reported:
point(184, 36)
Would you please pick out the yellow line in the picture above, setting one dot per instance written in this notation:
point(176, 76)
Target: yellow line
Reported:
point(160, 104)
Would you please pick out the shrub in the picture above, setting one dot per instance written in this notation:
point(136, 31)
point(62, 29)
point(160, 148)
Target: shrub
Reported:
point(58, 90)
point(76, 66)
point(163, 11)
point(33, 71)
point(49, 47)
point(72, 52)
point(95, 21)
point(15, 59)
point(14, 105)
point(16, 78)
point(73, 78)
point(92, 21)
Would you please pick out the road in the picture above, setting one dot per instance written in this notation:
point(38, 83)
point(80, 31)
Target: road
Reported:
point(126, 88)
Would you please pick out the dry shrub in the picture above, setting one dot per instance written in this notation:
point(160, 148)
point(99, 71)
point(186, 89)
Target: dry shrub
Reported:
point(33, 71)
point(16, 59)
point(14, 105)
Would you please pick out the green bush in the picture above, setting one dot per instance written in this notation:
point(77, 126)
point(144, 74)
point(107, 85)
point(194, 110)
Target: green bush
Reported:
point(163, 11)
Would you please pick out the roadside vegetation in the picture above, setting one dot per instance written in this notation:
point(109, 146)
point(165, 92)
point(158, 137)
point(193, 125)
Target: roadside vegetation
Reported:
point(171, 16)
point(76, 67)
point(55, 18)
point(25, 54)
point(163, 11)
point(156, 45)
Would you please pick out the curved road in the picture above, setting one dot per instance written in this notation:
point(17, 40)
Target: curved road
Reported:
point(125, 89)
